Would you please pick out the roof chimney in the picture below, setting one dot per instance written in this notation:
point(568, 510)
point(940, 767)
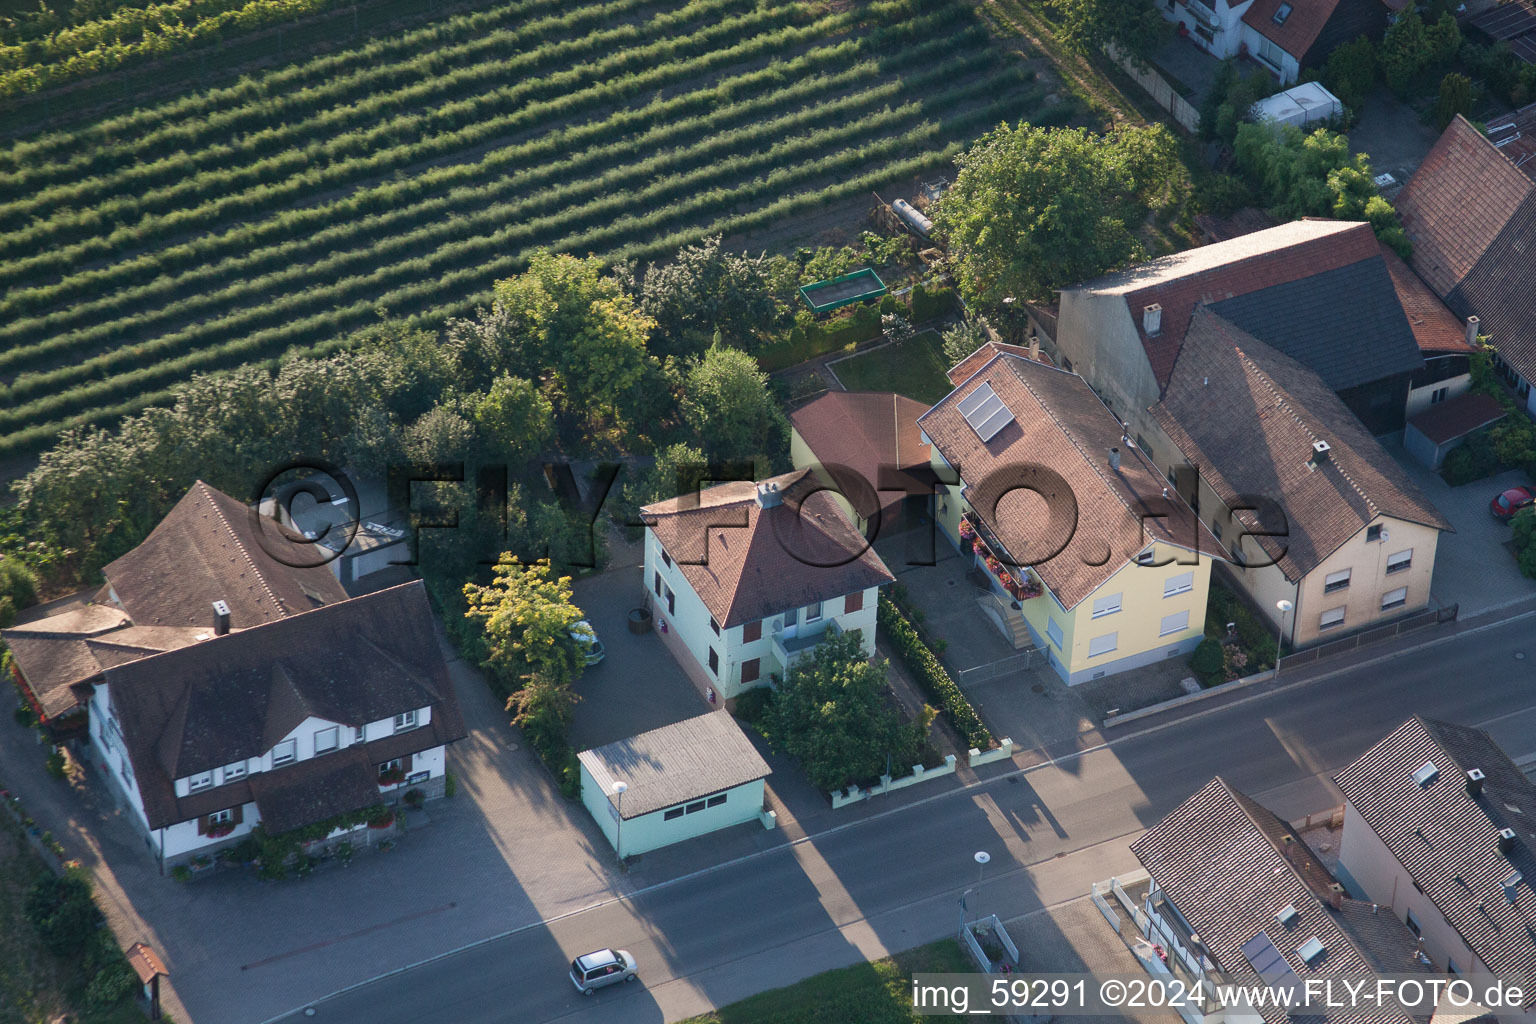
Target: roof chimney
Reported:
point(1472, 325)
point(1506, 840)
point(1475, 778)
point(1336, 896)
point(1114, 459)
point(768, 495)
point(1034, 347)
point(220, 618)
point(1320, 450)
point(1152, 319)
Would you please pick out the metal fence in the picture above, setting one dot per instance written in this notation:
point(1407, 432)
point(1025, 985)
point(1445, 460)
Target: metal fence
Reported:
point(1021, 662)
point(1370, 636)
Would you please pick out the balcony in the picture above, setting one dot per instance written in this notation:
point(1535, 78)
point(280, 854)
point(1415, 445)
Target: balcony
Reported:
point(790, 649)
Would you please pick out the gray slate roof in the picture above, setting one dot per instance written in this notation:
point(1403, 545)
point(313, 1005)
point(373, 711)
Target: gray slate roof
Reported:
point(1447, 839)
point(1224, 861)
point(676, 763)
point(1346, 324)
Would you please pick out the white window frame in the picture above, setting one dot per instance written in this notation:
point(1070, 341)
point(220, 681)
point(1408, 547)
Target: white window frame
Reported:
point(1324, 623)
point(1399, 561)
point(406, 722)
point(335, 737)
point(1394, 599)
point(1113, 639)
point(1164, 629)
point(235, 770)
point(223, 817)
point(200, 781)
point(1103, 606)
point(1053, 631)
point(1271, 53)
point(284, 753)
point(361, 735)
point(1183, 583)
point(813, 611)
point(1337, 581)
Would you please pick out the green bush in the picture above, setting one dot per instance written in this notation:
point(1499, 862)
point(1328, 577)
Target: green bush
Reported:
point(55, 763)
point(930, 304)
point(1207, 662)
point(63, 913)
point(931, 675)
point(1475, 459)
point(1523, 530)
point(1254, 635)
point(752, 706)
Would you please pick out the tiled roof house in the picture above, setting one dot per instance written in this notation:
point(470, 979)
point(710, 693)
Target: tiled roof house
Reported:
point(750, 576)
point(1439, 828)
point(1470, 211)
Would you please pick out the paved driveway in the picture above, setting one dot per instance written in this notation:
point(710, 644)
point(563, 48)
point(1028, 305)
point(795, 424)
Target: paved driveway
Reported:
point(1475, 566)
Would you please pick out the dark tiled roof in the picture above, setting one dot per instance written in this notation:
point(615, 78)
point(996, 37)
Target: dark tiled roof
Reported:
point(855, 434)
point(1255, 437)
point(315, 789)
point(1344, 323)
point(1458, 416)
point(1501, 290)
point(52, 656)
point(1457, 203)
point(1230, 866)
point(232, 697)
point(1300, 29)
point(676, 763)
point(1243, 222)
point(1514, 135)
point(1060, 437)
point(747, 563)
point(207, 549)
point(1447, 840)
point(1291, 254)
point(1435, 327)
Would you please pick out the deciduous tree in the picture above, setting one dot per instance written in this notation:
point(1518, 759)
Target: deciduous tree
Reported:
point(727, 405)
point(527, 614)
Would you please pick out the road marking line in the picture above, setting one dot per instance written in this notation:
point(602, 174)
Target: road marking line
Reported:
point(945, 795)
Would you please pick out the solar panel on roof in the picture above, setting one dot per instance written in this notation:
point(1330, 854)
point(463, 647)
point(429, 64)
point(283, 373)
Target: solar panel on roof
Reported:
point(985, 412)
point(1267, 962)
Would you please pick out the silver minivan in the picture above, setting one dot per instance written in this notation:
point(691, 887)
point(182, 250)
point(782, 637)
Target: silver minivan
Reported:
point(604, 967)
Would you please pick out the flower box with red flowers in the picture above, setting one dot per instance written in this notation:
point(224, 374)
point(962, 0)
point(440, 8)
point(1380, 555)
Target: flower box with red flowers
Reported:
point(392, 777)
point(382, 820)
point(220, 830)
point(967, 530)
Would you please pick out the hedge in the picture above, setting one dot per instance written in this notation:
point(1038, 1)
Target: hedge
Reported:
point(931, 304)
point(818, 338)
point(931, 675)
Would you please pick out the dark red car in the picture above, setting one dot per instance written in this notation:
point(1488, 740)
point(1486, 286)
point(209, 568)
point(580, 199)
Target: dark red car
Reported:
point(1511, 501)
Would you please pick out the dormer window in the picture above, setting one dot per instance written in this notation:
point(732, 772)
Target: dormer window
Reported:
point(405, 721)
point(362, 734)
point(284, 752)
point(234, 771)
point(203, 780)
point(326, 740)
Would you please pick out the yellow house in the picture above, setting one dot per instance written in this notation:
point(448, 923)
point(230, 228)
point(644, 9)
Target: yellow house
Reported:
point(1312, 510)
point(1090, 555)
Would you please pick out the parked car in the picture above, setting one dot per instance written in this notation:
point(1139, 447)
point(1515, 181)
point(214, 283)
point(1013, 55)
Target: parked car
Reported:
point(601, 968)
point(1511, 501)
point(591, 647)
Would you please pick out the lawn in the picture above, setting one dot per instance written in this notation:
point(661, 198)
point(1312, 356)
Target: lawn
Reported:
point(409, 172)
point(872, 993)
point(914, 368)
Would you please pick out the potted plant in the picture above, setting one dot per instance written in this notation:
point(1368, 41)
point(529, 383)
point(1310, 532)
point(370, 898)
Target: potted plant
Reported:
point(414, 798)
point(383, 819)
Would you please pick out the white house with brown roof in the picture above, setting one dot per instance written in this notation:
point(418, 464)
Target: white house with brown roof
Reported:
point(752, 576)
point(1084, 549)
point(1308, 506)
point(1439, 829)
point(286, 723)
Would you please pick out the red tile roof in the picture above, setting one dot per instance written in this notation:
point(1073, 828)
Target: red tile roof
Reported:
point(747, 563)
point(1059, 441)
point(1300, 28)
point(1457, 202)
point(146, 963)
point(856, 435)
point(1435, 327)
point(1212, 273)
point(961, 371)
point(1457, 417)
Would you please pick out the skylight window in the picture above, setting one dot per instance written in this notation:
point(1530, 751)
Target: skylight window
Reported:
point(1283, 12)
point(1287, 915)
point(985, 412)
point(1426, 774)
point(1311, 949)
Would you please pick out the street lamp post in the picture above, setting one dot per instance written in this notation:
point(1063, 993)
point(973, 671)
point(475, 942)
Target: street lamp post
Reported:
point(621, 787)
point(981, 857)
point(1285, 609)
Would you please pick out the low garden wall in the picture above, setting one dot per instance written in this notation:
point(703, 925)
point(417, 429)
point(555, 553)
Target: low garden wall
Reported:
point(854, 794)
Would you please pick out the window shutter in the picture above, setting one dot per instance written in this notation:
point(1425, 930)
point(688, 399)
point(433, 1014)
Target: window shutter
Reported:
point(405, 764)
point(202, 824)
point(853, 602)
point(237, 815)
point(750, 670)
point(752, 632)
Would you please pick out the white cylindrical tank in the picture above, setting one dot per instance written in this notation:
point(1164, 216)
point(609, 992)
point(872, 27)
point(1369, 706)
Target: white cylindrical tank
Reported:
point(916, 221)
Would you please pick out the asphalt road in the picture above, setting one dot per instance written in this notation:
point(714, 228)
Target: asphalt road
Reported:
point(889, 882)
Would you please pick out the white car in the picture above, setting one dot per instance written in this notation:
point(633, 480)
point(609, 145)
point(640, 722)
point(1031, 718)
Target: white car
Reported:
point(604, 967)
point(591, 647)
